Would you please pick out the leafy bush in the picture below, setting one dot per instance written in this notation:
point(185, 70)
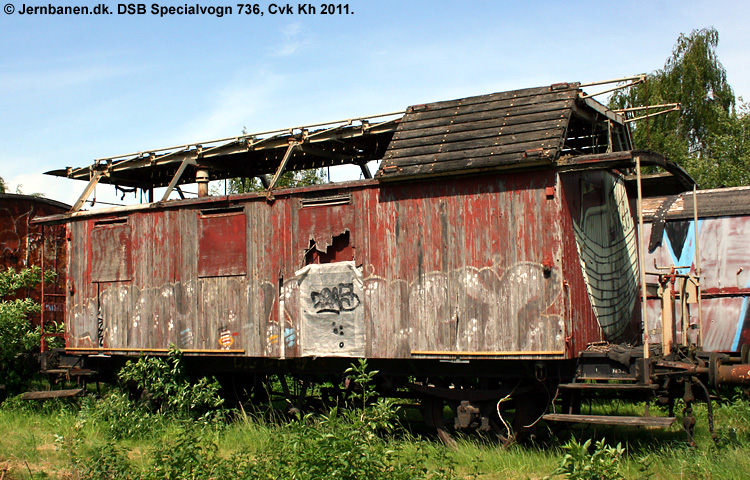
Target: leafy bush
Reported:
point(118, 416)
point(106, 462)
point(346, 444)
point(343, 444)
point(579, 464)
point(167, 388)
point(18, 338)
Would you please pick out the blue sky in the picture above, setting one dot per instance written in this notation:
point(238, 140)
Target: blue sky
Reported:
point(76, 88)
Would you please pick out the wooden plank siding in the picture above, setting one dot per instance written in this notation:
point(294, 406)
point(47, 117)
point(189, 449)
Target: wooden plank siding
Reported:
point(462, 266)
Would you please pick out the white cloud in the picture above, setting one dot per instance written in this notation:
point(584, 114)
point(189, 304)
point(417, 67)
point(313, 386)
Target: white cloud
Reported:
point(291, 42)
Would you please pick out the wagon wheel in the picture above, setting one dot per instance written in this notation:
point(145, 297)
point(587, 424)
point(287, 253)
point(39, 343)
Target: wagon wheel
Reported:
point(432, 413)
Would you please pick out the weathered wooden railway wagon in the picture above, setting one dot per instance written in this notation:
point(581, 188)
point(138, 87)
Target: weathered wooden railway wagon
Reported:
point(493, 247)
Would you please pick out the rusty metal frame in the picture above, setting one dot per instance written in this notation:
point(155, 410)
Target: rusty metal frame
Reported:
point(118, 166)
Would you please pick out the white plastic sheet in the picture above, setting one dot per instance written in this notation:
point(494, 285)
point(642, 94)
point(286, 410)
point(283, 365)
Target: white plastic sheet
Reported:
point(331, 311)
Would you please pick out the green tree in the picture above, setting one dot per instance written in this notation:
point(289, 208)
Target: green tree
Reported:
point(694, 77)
point(301, 178)
point(726, 159)
point(3, 187)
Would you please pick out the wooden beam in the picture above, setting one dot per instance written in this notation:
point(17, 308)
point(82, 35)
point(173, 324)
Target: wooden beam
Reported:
point(185, 162)
point(89, 188)
point(282, 166)
point(74, 392)
point(150, 350)
point(611, 420)
point(483, 354)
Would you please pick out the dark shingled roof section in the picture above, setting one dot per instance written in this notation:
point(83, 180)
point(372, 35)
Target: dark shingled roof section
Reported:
point(498, 131)
point(718, 202)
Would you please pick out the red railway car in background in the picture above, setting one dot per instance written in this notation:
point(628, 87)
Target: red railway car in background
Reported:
point(24, 245)
point(494, 247)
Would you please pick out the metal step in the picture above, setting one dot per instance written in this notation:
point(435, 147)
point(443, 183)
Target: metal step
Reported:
point(73, 392)
point(608, 386)
point(662, 422)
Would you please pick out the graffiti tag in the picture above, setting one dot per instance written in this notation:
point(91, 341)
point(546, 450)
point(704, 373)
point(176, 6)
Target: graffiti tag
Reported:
point(335, 300)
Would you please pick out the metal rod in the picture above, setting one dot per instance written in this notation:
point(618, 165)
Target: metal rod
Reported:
point(651, 115)
point(619, 87)
point(640, 77)
point(646, 107)
point(348, 121)
point(43, 346)
point(699, 340)
point(642, 268)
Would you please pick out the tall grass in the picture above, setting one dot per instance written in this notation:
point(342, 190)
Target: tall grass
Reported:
point(119, 437)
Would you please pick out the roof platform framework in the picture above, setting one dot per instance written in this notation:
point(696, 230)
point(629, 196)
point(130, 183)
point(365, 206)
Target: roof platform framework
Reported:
point(556, 126)
point(352, 141)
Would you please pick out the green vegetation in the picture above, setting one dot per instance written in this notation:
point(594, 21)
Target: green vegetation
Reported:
point(148, 436)
point(580, 464)
point(709, 135)
point(300, 178)
point(19, 339)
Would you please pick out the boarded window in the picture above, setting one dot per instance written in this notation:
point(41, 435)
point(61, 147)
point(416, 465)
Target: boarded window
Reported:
point(222, 247)
point(110, 252)
point(325, 230)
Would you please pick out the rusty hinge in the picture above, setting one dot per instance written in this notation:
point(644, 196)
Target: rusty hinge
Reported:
point(559, 86)
point(390, 168)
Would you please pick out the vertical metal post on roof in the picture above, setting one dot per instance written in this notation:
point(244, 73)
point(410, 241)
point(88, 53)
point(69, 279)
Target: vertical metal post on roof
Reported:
point(642, 268)
point(201, 178)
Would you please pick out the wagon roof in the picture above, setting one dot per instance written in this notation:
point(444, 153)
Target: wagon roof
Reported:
point(544, 127)
point(520, 128)
point(32, 199)
point(719, 202)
